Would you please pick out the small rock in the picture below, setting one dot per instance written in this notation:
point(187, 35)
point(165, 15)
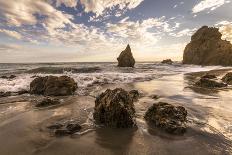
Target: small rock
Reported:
point(155, 97)
point(8, 77)
point(208, 83)
point(115, 108)
point(167, 117)
point(62, 132)
point(55, 126)
point(48, 102)
point(167, 61)
point(5, 94)
point(209, 76)
point(73, 127)
point(21, 92)
point(228, 78)
point(134, 95)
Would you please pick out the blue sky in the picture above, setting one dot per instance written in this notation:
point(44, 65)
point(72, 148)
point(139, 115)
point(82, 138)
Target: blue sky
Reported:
point(98, 30)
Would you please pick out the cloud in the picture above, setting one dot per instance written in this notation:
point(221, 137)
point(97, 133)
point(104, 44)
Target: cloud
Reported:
point(12, 34)
point(225, 27)
point(208, 4)
point(30, 12)
point(184, 32)
point(9, 47)
point(100, 6)
point(67, 3)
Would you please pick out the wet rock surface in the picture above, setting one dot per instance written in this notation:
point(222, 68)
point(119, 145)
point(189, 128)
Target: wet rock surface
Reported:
point(167, 117)
point(5, 94)
point(209, 83)
point(115, 108)
point(207, 48)
point(48, 101)
point(53, 86)
point(228, 78)
point(64, 129)
point(167, 61)
point(126, 58)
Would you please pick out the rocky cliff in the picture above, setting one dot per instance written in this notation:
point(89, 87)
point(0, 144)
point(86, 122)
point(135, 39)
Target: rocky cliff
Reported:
point(126, 58)
point(207, 48)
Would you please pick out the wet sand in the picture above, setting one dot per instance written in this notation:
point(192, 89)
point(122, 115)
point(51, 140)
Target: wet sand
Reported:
point(23, 127)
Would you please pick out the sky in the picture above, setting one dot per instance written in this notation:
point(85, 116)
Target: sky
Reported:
point(98, 30)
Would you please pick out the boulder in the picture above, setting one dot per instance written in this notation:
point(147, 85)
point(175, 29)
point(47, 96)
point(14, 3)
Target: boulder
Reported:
point(126, 58)
point(167, 117)
point(208, 83)
point(167, 61)
point(228, 78)
point(115, 108)
point(207, 48)
point(53, 86)
point(47, 102)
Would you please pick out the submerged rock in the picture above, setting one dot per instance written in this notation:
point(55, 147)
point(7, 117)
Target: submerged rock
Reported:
point(48, 102)
point(167, 61)
point(5, 94)
point(126, 58)
point(208, 83)
point(64, 129)
point(53, 86)
point(207, 48)
point(8, 77)
point(170, 118)
point(228, 78)
point(115, 108)
point(209, 76)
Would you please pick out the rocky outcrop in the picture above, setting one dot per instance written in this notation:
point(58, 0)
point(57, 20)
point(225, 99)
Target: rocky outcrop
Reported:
point(167, 61)
point(115, 108)
point(228, 78)
point(209, 83)
point(126, 58)
point(207, 48)
point(53, 86)
point(167, 117)
point(47, 102)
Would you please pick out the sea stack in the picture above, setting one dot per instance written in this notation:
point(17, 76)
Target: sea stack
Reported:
point(126, 58)
point(207, 48)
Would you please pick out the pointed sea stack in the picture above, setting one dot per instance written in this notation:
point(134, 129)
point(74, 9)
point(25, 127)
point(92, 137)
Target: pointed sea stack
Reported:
point(207, 48)
point(126, 58)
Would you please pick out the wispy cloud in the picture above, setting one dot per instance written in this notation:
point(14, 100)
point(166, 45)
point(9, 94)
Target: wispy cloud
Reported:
point(13, 34)
point(208, 5)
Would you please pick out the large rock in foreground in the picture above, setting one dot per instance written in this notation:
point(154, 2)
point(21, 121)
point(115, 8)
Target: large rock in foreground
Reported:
point(115, 108)
point(209, 83)
point(167, 117)
point(207, 48)
point(53, 86)
point(126, 58)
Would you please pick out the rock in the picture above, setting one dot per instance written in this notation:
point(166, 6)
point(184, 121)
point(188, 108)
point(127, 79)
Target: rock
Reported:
point(228, 78)
point(65, 129)
point(208, 83)
point(134, 95)
point(167, 61)
point(5, 94)
point(114, 108)
point(209, 76)
point(207, 48)
point(53, 86)
point(21, 92)
point(155, 97)
point(8, 77)
point(126, 58)
point(167, 117)
point(48, 102)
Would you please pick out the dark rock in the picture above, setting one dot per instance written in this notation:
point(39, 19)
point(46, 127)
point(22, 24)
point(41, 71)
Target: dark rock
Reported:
point(114, 108)
point(48, 102)
point(209, 76)
point(134, 95)
point(207, 48)
point(155, 97)
point(228, 78)
point(62, 132)
point(126, 58)
point(5, 94)
point(21, 92)
point(53, 86)
point(8, 77)
point(55, 126)
point(208, 83)
point(73, 127)
point(170, 118)
point(167, 61)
